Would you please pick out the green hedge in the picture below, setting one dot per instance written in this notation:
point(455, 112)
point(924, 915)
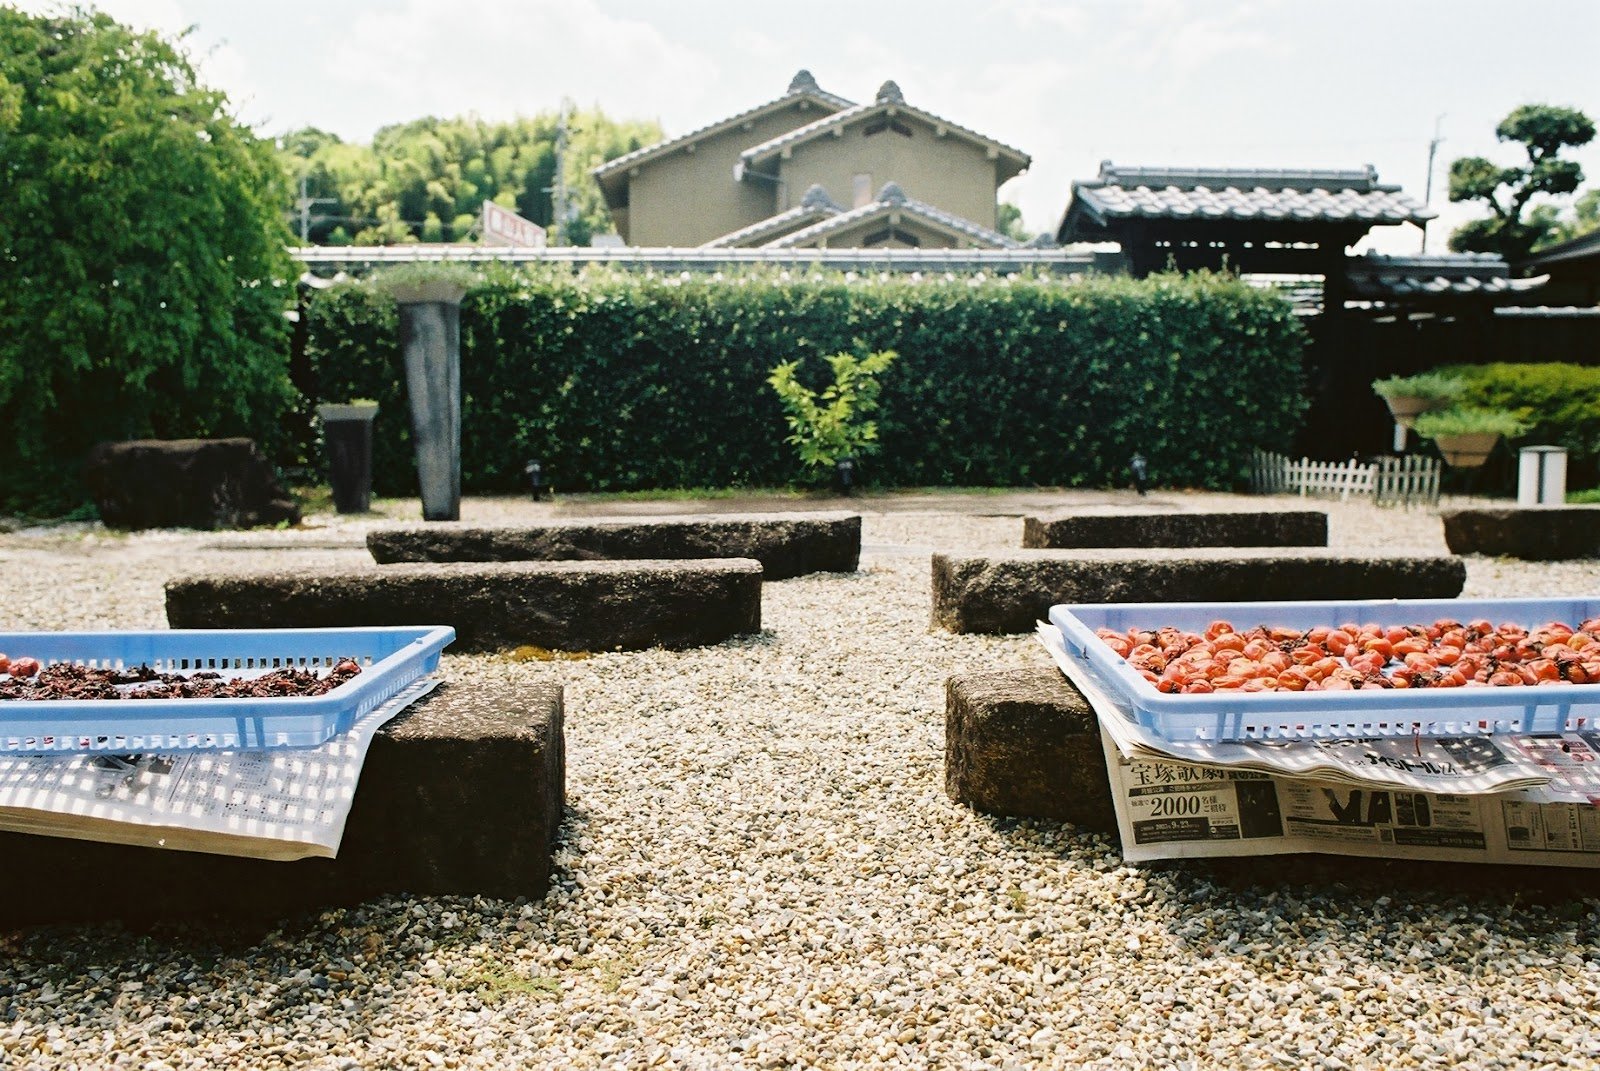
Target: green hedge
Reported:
point(618, 381)
point(1560, 403)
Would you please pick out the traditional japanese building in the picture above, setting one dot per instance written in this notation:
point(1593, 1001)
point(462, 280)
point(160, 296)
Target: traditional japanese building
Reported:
point(811, 169)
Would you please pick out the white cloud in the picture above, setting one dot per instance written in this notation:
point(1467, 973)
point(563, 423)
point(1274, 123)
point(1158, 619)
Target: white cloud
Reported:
point(452, 57)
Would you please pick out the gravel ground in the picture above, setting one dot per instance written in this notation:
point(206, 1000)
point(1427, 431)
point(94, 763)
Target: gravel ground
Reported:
point(759, 868)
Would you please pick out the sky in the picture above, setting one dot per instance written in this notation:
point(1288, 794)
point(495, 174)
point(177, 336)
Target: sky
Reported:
point(1207, 83)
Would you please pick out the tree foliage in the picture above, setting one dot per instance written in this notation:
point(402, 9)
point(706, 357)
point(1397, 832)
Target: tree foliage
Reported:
point(1543, 130)
point(426, 180)
point(1585, 218)
point(145, 250)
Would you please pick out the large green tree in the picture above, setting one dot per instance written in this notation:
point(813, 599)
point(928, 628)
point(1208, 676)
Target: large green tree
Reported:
point(427, 179)
point(1514, 227)
point(142, 231)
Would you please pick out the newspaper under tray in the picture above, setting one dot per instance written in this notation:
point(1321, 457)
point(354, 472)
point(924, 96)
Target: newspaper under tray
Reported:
point(390, 659)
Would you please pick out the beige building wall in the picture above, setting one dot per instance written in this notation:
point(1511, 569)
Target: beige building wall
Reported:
point(686, 199)
point(948, 172)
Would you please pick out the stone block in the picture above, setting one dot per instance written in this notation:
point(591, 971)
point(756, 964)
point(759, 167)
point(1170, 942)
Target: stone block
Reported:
point(1268, 528)
point(1534, 533)
point(462, 794)
point(1009, 594)
point(186, 483)
point(569, 606)
point(786, 544)
point(1023, 743)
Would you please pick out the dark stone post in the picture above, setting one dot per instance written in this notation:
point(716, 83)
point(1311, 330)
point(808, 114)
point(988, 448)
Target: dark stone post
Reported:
point(347, 432)
point(430, 340)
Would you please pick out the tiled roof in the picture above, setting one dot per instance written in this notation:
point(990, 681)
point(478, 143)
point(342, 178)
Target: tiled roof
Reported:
point(814, 206)
point(1583, 247)
point(801, 86)
point(1315, 196)
point(892, 199)
point(888, 97)
point(1457, 274)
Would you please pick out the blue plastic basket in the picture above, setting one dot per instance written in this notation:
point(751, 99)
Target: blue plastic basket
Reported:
point(390, 659)
point(1546, 708)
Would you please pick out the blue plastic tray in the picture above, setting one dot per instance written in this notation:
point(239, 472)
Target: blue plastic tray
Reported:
point(390, 659)
point(1549, 708)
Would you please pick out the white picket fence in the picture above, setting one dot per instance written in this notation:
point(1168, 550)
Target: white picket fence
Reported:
point(1389, 480)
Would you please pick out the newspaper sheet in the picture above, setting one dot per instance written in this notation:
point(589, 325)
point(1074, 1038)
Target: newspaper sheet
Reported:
point(1168, 810)
point(1519, 799)
point(284, 804)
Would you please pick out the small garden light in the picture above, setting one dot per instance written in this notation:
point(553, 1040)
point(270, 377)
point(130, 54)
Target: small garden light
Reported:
point(1140, 469)
point(535, 473)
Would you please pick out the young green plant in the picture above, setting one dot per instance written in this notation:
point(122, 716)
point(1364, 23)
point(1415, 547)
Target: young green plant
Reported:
point(835, 425)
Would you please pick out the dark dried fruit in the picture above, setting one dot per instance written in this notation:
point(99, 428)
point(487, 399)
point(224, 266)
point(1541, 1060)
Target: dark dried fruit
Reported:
point(65, 680)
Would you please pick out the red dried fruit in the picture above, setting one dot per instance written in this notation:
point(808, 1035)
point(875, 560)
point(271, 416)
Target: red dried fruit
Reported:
point(23, 667)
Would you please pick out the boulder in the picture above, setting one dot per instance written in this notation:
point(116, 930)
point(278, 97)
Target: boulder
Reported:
point(786, 544)
point(1009, 594)
point(186, 483)
point(569, 606)
point(1267, 528)
point(1023, 743)
point(1534, 533)
point(461, 795)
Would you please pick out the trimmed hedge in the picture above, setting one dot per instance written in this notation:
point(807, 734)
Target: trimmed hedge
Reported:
point(620, 381)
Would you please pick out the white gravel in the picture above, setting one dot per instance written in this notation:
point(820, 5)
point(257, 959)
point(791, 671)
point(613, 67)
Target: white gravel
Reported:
point(759, 868)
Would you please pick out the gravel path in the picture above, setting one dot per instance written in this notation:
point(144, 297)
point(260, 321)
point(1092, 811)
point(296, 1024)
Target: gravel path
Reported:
point(760, 869)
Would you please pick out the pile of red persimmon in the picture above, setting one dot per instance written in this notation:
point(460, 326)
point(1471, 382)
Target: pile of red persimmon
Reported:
point(1445, 654)
point(25, 678)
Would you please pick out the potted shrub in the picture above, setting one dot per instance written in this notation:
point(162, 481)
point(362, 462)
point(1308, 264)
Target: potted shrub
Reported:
point(347, 434)
point(429, 299)
point(1409, 396)
point(1465, 435)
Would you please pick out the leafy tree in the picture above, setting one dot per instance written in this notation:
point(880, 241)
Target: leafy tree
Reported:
point(426, 180)
point(1008, 221)
point(1543, 130)
point(1585, 218)
point(143, 235)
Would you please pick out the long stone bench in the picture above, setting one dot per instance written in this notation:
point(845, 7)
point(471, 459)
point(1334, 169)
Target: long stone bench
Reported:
point(1535, 533)
point(786, 544)
point(462, 794)
point(1271, 528)
point(1009, 594)
point(571, 606)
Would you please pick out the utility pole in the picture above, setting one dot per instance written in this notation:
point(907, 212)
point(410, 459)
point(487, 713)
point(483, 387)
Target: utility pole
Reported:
point(558, 200)
point(305, 204)
point(1427, 190)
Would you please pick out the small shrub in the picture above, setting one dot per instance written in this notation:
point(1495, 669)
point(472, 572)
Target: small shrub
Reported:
point(835, 427)
point(1437, 386)
point(1469, 420)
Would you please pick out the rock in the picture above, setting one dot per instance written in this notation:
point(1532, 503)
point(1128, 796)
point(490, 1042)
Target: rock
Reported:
point(786, 544)
point(186, 483)
point(1010, 594)
point(1533, 533)
point(1023, 743)
point(461, 794)
point(1291, 528)
point(568, 606)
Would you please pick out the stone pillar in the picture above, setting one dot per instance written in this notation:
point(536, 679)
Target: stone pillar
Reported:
point(430, 341)
point(347, 433)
